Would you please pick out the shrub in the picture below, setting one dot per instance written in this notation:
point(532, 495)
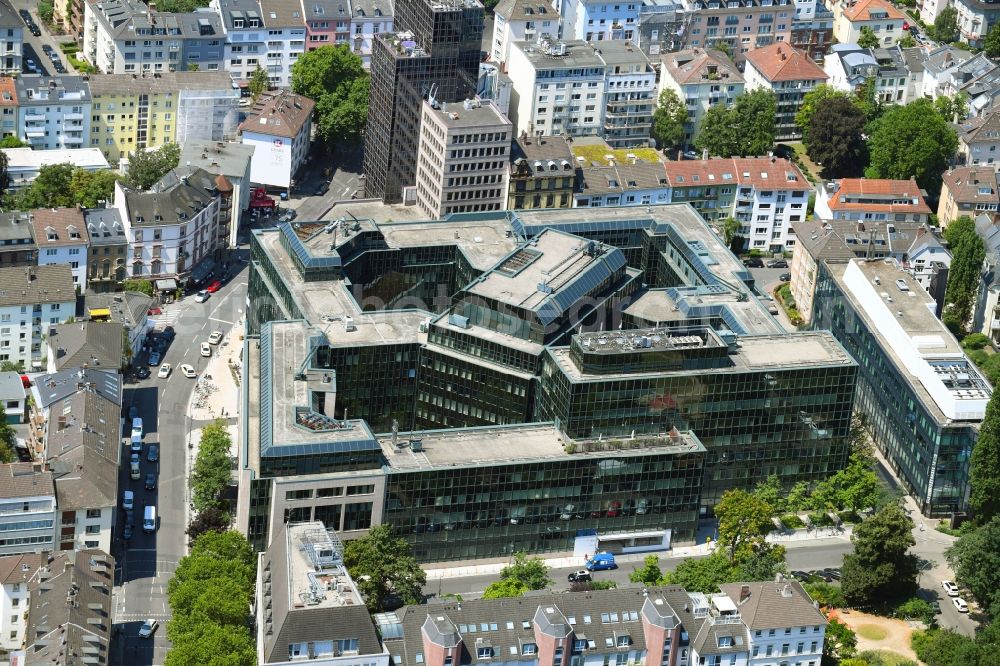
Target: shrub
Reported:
point(792, 522)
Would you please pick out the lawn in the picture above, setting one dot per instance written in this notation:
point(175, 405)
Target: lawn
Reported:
point(597, 153)
point(872, 632)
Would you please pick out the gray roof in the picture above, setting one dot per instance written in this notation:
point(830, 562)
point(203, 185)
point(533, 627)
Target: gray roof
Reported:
point(913, 57)
point(943, 58)
point(527, 10)
point(171, 199)
point(159, 83)
point(327, 10)
point(23, 480)
point(49, 389)
point(31, 285)
point(543, 149)
point(578, 54)
point(87, 344)
point(8, 16)
point(619, 52)
point(113, 13)
point(82, 450)
point(69, 612)
point(56, 87)
point(623, 177)
point(11, 386)
point(16, 230)
point(104, 226)
point(774, 605)
point(924, 240)
point(129, 308)
point(229, 159)
point(372, 8)
point(241, 9)
point(19, 568)
point(283, 14)
point(187, 25)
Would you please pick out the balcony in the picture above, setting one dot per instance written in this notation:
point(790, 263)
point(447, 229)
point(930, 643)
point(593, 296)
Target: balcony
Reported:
point(33, 133)
point(34, 117)
point(73, 116)
point(72, 139)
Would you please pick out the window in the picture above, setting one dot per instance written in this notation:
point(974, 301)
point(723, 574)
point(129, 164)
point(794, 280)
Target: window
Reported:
point(93, 529)
point(93, 513)
point(329, 492)
point(484, 652)
point(299, 494)
point(360, 490)
point(529, 648)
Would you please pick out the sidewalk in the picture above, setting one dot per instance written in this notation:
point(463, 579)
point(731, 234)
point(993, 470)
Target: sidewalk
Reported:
point(219, 396)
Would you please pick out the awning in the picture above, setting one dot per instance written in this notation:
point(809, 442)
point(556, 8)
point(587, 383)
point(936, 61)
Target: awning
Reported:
point(202, 270)
point(168, 284)
point(100, 312)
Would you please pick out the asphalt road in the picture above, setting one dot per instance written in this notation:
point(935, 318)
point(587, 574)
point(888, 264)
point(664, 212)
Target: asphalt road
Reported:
point(344, 181)
point(148, 562)
point(33, 45)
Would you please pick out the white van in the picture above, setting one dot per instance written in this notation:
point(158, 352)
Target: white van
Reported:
point(137, 427)
point(128, 500)
point(149, 519)
point(134, 472)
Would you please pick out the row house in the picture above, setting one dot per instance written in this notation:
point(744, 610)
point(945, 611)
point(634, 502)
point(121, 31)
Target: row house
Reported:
point(53, 112)
point(702, 79)
point(286, 39)
point(328, 22)
point(813, 35)
point(16, 571)
point(369, 18)
point(27, 510)
point(542, 173)
point(597, 20)
point(848, 68)
point(616, 184)
point(872, 199)
point(246, 36)
point(17, 240)
point(787, 73)
point(11, 39)
point(106, 258)
point(971, 191)
point(979, 141)
point(740, 25)
point(938, 65)
point(62, 240)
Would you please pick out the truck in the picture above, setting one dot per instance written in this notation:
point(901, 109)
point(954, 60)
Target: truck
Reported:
point(601, 561)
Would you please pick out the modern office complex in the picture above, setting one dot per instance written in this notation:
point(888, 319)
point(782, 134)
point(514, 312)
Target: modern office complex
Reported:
point(922, 398)
point(570, 381)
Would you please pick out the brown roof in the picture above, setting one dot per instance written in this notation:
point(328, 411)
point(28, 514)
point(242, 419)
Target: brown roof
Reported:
point(696, 65)
point(8, 91)
point(780, 62)
point(761, 172)
point(62, 223)
point(883, 188)
point(972, 184)
point(280, 114)
point(773, 605)
point(19, 568)
point(23, 480)
point(862, 11)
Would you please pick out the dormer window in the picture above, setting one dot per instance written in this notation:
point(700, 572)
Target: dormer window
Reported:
point(238, 24)
point(73, 232)
point(50, 234)
point(484, 652)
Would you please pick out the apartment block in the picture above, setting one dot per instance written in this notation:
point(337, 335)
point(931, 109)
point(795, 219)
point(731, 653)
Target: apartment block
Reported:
point(279, 127)
point(11, 39)
point(929, 9)
point(621, 182)
point(542, 173)
point(17, 240)
point(787, 73)
point(979, 141)
point(521, 21)
point(879, 16)
point(8, 107)
point(975, 19)
point(970, 191)
point(231, 160)
point(53, 112)
point(872, 200)
point(701, 78)
point(939, 65)
point(463, 158)
point(741, 25)
point(62, 239)
point(246, 36)
point(286, 39)
point(629, 95)
point(24, 164)
point(36, 298)
point(327, 22)
point(108, 256)
point(593, 21)
point(27, 509)
point(369, 19)
point(16, 571)
point(848, 67)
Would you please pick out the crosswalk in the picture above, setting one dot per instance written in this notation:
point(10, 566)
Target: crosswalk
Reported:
point(167, 316)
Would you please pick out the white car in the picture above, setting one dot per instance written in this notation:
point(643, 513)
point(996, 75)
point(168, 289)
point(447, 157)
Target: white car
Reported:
point(164, 371)
point(215, 338)
point(206, 349)
point(950, 588)
point(201, 296)
point(148, 628)
point(188, 371)
point(960, 605)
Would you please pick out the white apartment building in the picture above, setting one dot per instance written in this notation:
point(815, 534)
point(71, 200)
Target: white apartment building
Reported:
point(805, 10)
point(172, 227)
point(15, 572)
point(27, 509)
point(463, 158)
point(975, 18)
point(24, 164)
point(872, 199)
point(34, 298)
point(368, 19)
point(790, 631)
point(598, 20)
point(62, 239)
point(929, 9)
point(521, 21)
point(701, 78)
point(286, 39)
point(849, 66)
point(629, 95)
point(246, 36)
point(278, 127)
point(11, 39)
point(208, 114)
point(53, 112)
point(940, 65)
point(790, 75)
point(880, 16)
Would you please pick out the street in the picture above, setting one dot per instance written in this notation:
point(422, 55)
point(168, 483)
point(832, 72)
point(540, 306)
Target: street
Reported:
point(149, 560)
point(33, 45)
point(344, 182)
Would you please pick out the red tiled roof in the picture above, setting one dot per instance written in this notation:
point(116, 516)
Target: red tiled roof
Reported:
point(760, 172)
point(879, 187)
point(863, 9)
point(8, 91)
point(780, 62)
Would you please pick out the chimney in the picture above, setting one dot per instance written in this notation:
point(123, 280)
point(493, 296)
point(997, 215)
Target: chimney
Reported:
point(744, 593)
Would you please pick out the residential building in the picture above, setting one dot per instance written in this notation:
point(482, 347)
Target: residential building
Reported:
point(879, 16)
point(8, 107)
point(62, 239)
point(327, 22)
point(172, 228)
point(36, 298)
point(108, 256)
point(70, 17)
point(208, 111)
point(521, 21)
point(15, 573)
point(661, 27)
point(813, 36)
point(701, 80)
point(767, 196)
point(463, 158)
point(17, 240)
point(975, 19)
point(542, 173)
point(629, 95)
point(922, 398)
point(592, 21)
point(231, 160)
point(790, 75)
point(12, 44)
point(27, 509)
point(986, 316)
point(979, 141)
point(978, 78)
point(621, 183)
point(569, 342)
point(741, 25)
point(95, 344)
point(70, 612)
point(369, 18)
point(45, 408)
point(12, 396)
point(246, 36)
point(286, 39)
point(939, 64)
point(333, 628)
point(434, 44)
point(848, 67)
point(872, 200)
point(53, 112)
point(279, 128)
point(24, 164)
point(929, 9)
point(130, 309)
point(926, 258)
point(970, 191)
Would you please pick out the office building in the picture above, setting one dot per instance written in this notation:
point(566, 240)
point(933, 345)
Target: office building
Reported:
point(12, 46)
point(27, 509)
point(542, 173)
point(921, 397)
point(108, 254)
point(521, 21)
point(24, 164)
point(971, 191)
point(62, 239)
point(279, 128)
point(17, 240)
point(36, 297)
point(463, 158)
point(787, 73)
point(15, 573)
point(872, 200)
point(434, 51)
point(701, 78)
point(53, 112)
point(879, 16)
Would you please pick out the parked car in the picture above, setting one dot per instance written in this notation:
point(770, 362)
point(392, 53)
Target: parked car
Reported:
point(950, 588)
point(164, 371)
point(168, 333)
point(206, 349)
point(960, 605)
point(128, 500)
point(614, 509)
point(148, 628)
point(154, 358)
point(601, 561)
point(127, 532)
point(288, 215)
point(215, 286)
point(153, 453)
point(753, 262)
point(691, 155)
point(579, 576)
point(142, 372)
point(150, 481)
point(785, 277)
point(201, 296)
point(188, 371)
point(777, 263)
point(215, 338)
point(322, 189)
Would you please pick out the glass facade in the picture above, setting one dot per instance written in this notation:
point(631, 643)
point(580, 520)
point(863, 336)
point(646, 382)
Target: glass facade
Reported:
point(931, 456)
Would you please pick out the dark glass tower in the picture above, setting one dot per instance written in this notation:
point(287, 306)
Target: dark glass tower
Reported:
point(436, 49)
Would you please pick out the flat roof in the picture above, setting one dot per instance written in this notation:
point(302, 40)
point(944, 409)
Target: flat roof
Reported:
point(315, 568)
point(26, 158)
point(747, 316)
point(483, 243)
point(467, 114)
point(577, 54)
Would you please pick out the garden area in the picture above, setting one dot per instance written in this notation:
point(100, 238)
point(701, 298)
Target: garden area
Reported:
point(71, 51)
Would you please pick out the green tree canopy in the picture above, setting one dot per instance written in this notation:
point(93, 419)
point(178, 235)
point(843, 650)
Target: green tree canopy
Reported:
point(881, 568)
point(8, 438)
point(335, 79)
point(953, 109)
point(147, 167)
point(669, 120)
point(747, 129)
point(841, 642)
point(649, 573)
point(259, 82)
point(991, 44)
point(868, 38)
point(383, 567)
point(529, 571)
point(701, 574)
point(506, 588)
point(984, 466)
point(967, 252)
point(211, 519)
point(836, 138)
point(944, 647)
point(744, 521)
point(142, 286)
point(812, 101)
point(946, 25)
point(907, 42)
point(911, 141)
point(12, 142)
point(64, 186)
point(212, 470)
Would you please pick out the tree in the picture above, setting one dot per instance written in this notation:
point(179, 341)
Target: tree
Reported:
point(63, 186)
point(184, 6)
point(730, 231)
point(45, 10)
point(975, 341)
point(212, 469)
point(840, 643)
point(836, 138)
point(744, 521)
point(745, 129)
point(946, 25)
point(147, 167)
point(812, 101)
point(944, 647)
point(984, 466)
point(669, 120)
point(8, 438)
point(211, 519)
point(880, 568)
point(335, 79)
point(649, 573)
point(259, 82)
point(702, 574)
point(141, 286)
point(798, 497)
point(866, 97)
point(763, 564)
point(769, 490)
point(504, 589)
point(716, 133)
point(907, 42)
point(530, 572)
point(953, 109)
point(868, 39)
point(12, 142)
point(10, 366)
point(991, 43)
point(90, 188)
point(383, 567)
point(825, 594)
point(911, 141)
point(211, 645)
point(967, 251)
point(975, 557)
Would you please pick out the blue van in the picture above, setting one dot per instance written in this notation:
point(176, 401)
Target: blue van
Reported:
point(601, 561)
